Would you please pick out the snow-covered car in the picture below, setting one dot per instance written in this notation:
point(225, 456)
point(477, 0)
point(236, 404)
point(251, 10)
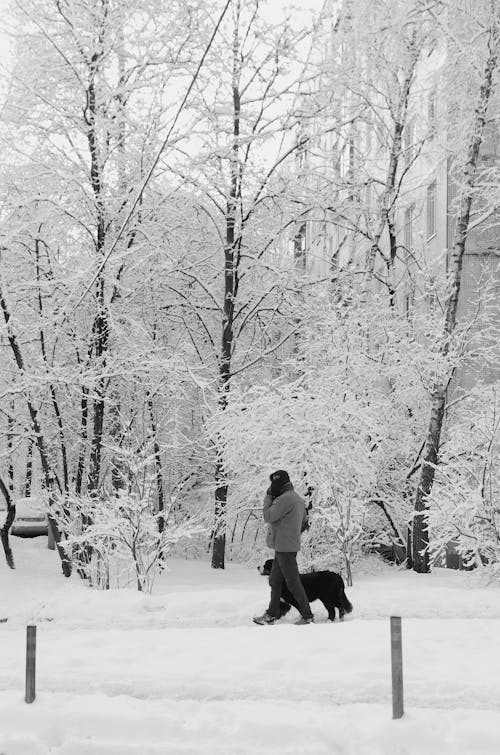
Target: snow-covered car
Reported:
point(31, 517)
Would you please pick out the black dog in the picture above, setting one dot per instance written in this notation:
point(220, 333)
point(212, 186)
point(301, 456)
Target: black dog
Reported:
point(326, 586)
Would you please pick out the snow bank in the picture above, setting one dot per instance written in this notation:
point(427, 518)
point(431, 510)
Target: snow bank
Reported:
point(186, 671)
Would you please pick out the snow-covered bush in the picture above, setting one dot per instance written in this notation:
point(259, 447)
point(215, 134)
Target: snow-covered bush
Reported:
point(117, 541)
point(464, 506)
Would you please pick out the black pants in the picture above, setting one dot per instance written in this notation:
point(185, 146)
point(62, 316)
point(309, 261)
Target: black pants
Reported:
point(285, 569)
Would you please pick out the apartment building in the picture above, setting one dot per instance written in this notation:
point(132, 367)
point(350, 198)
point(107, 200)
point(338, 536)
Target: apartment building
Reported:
point(350, 146)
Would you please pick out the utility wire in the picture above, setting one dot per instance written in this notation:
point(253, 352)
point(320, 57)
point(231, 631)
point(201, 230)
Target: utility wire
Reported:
point(155, 161)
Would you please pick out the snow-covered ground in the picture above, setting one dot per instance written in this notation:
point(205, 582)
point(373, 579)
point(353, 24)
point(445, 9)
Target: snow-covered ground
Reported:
point(185, 671)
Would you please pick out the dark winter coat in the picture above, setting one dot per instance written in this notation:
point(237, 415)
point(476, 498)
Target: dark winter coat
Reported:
point(286, 517)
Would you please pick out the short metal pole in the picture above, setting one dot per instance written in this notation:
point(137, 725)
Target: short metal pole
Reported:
point(397, 667)
point(30, 663)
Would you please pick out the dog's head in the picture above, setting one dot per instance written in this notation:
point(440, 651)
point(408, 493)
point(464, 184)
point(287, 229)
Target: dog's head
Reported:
point(266, 567)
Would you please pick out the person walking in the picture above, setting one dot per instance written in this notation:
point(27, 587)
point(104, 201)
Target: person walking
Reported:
point(285, 513)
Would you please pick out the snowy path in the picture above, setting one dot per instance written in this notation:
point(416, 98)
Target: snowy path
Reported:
point(339, 663)
point(236, 690)
point(185, 672)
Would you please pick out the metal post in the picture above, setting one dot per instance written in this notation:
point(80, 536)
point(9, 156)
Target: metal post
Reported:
point(51, 541)
point(30, 663)
point(397, 667)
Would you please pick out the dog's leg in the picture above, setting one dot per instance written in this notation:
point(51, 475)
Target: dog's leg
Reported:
point(331, 610)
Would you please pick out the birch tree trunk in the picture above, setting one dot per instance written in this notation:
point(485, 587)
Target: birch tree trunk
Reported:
point(430, 455)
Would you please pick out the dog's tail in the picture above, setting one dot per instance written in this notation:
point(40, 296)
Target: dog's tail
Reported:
point(347, 603)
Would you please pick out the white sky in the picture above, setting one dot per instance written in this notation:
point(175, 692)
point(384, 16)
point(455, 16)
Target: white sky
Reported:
point(274, 7)
point(4, 40)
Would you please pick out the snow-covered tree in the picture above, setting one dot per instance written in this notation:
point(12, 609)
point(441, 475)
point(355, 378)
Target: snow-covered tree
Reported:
point(472, 70)
point(80, 232)
point(242, 117)
point(344, 419)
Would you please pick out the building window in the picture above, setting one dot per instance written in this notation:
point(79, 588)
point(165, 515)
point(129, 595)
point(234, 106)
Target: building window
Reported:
point(299, 247)
point(432, 43)
point(490, 148)
point(381, 134)
point(409, 295)
point(431, 294)
point(431, 209)
point(369, 197)
point(337, 164)
point(301, 151)
point(408, 228)
point(409, 141)
point(432, 112)
point(369, 132)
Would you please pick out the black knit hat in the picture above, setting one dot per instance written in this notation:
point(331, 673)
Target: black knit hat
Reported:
point(280, 477)
point(278, 481)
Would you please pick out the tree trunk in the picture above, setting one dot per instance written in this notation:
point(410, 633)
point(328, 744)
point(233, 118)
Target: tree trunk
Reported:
point(231, 263)
point(84, 418)
point(431, 450)
point(28, 478)
point(9, 519)
point(100, 327)
point(219, 538)
point(160, 488)
point(420, 532)
point(10, 435)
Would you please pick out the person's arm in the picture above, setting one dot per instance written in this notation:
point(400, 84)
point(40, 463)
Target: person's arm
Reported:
point(275, 509)
point(268, 502)
point(305, 521)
